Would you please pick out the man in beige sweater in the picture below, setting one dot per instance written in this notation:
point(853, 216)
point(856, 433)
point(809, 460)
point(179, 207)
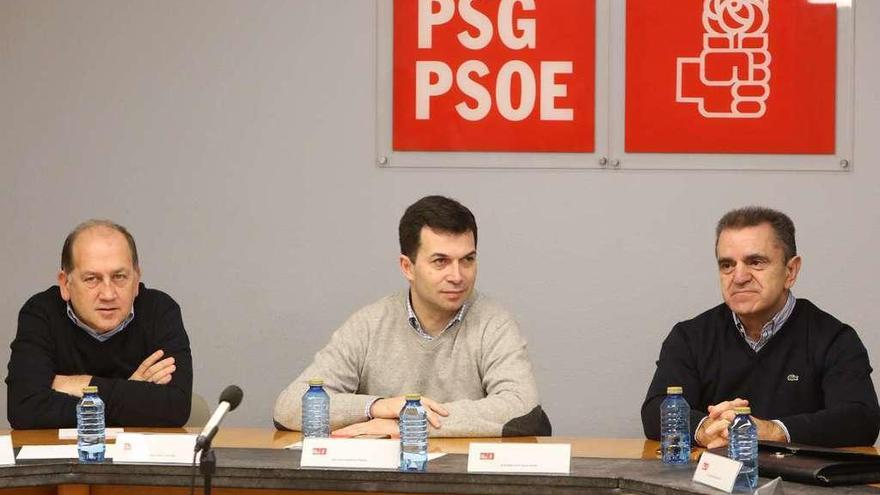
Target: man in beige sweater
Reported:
point(440, 338)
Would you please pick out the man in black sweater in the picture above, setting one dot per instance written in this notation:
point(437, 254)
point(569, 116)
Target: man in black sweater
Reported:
point(99, 326)
point(805, 375)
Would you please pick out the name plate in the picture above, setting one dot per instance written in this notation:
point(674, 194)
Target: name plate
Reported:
point(70, 433)
point(717, 471)
point(350, 453)
point(6, 455)
point(552, 458)
point(155, 448)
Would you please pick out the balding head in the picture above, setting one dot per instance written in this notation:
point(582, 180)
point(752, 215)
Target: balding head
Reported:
point(68, 263)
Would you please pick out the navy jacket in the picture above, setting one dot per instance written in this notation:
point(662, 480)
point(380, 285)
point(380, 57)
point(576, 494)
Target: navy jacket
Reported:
point(813, 375)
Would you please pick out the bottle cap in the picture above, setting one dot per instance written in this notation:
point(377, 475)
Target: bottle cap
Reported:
point(91, 389)
point(674, 390)
point(413, 396)
point(743, 410)
point(314, 382)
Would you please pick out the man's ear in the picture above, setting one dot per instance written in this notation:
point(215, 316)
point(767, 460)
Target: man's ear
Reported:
point(793, 267)
point(406, 267)
point(62, 284)
point(137, 280)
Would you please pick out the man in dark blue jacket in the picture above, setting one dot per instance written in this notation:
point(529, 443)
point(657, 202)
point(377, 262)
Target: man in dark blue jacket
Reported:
point(99, 326)
point(805, 375)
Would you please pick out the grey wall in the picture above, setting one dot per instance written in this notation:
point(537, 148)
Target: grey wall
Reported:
point(236, 140)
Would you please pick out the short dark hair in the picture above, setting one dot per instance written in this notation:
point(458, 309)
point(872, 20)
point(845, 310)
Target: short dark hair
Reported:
point(752, 216)
point(67, 250)
point(437, 212)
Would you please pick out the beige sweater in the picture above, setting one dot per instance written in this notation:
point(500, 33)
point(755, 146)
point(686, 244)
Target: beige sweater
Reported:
point(479, 369)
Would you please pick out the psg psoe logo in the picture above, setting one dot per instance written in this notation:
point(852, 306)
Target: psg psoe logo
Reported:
point(730, 79)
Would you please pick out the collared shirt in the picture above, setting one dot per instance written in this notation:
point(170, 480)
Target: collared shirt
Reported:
point(101, 337)
point(417, 326)
point(770, 328)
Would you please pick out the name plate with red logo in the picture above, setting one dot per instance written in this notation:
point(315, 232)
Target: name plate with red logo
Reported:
point(153, 448)
point(554, 458)
point(357, 453)
point(717, 471)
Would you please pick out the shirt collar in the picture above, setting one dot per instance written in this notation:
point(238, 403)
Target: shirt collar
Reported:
point(417, 326)
point(770, 328)
point(101, 337)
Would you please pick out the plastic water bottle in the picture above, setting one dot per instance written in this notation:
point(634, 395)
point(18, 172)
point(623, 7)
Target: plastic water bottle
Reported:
point(316, 411)
point(90, 426)
point(675, 428)
point(743, 446)
point(413, 435)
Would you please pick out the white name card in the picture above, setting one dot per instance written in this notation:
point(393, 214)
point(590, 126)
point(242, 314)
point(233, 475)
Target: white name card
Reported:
point(717, 471)
point(6, 455)
point(156, 448)
point(350, 453)
point(67, 451)
point(519, 458)
point(70, 433)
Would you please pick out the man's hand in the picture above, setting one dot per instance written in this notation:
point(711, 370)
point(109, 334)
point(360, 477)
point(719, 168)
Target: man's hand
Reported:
point(153, 370)
point(390, 409)
point(713, 432)
point(768, 430)
point(71, 384)
point(376, 426)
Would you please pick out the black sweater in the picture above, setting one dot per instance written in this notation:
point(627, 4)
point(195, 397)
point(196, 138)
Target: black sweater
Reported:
point(48, 343)
point(813, 375)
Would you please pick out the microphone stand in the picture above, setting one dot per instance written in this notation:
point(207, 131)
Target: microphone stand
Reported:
point(207, 465)
point(229, 400)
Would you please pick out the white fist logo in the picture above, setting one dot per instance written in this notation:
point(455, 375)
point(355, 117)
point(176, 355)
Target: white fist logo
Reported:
point(731, 77)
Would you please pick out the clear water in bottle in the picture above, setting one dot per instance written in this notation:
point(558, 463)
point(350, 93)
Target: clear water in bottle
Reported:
point(675, 428)
point(316, 411)
point(743, 447)
point(413, 435)
point(90, 426)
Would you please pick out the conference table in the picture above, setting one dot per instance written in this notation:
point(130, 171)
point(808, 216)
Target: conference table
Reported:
point(254, 461)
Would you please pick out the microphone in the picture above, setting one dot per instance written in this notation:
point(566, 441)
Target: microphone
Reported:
point(230, 398)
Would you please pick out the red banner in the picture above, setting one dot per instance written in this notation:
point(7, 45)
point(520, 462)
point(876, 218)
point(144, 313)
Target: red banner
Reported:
point(494, 75)
point(730, 76)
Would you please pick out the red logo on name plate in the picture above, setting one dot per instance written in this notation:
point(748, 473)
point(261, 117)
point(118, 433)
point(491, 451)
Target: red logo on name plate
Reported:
point(704, 466)
point(487, 456)
point(319, 451)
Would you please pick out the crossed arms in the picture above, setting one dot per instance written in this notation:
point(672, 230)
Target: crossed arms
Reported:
point(156, 393)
